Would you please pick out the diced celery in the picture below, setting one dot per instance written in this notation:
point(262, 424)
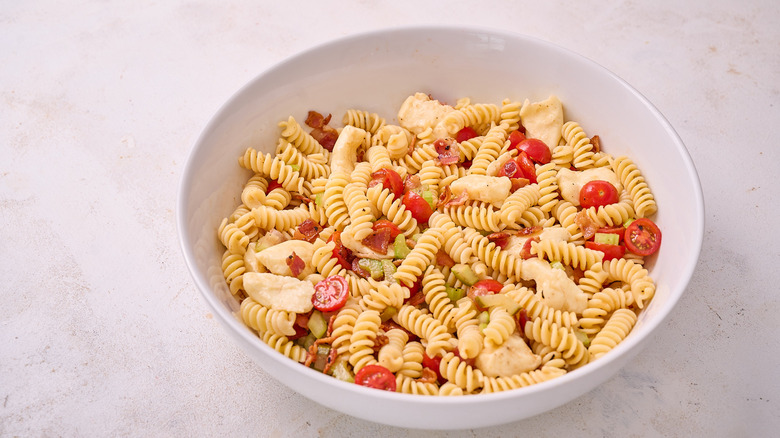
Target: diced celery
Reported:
point(401, 249)
point(429, 198)
point(416, 236)
point(607, 238)
point(628, 222)
point(374, 267)
point(498, 300)
point(322, 357)
point(465, 274)
point(389, 269)
point(341, 371)
point(296, 167)
point(318, 199)
point(306, 341)
point(557, 265)
point(483, 317)
point(317, 324)
point(582, 337)
point(388, 313)
point(455, 293)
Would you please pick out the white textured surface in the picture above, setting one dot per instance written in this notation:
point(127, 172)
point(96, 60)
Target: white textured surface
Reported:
point(102, 331)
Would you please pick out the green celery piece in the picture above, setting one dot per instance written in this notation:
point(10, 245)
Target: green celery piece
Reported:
point(318, 199)
point(455, 293)
point(388, 313)
point(606, 238)
point(557, 265)
point(464, 273)
point(429, 198)
point(317, 324)
point(400, 247)
point(389, 269)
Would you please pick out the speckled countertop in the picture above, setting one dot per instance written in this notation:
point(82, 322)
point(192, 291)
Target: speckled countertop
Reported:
point(102, 332)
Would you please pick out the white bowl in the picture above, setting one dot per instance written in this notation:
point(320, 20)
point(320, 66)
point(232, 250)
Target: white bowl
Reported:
point(376, 72)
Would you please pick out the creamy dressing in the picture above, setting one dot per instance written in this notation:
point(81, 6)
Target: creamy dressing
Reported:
point(483, 188)
point(510, 358)
point(279, 293)
point(543, 120)
point(554, 287)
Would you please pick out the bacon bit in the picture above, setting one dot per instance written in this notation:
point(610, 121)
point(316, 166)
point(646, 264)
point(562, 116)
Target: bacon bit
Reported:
point(316, 120)
point(518, 183)
point(330, 360)
point(445, 195)
point(311, 353)
point(521, 318)
point(390, 324)
point(448, 150)
point(530, 231)
point(359, 270)
point(500, 239)
point(302, 319)
point(379, 240)
point(307, 231)
point(458, 200)
point(412, 145)
point(296, 264)
point(300, 197)
point(525, 252)
point(428, 376)
point(416, 299)
point(586, 225)
point(411, 183)
point(325, 136)
point(577, 273)
point(471, 362)
point(444, 259)
point(380, 341)
point(596, 142)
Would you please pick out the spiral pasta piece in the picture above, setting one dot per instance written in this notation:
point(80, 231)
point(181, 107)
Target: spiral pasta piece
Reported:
point(273, 168)
point(395, 138)
point(633, 182)
point(361, 343)
point(617, 328)
point(413, 354)
point(235, 240)
point(489, 150)
point(292, 132)
point(634, 275)
point(518, 203)
point(232, 269)
point(285, 346)
point(263, 319)
point(425, 327)
point(391, 355)
point(361, 218)
point(455, 244)
point(493, 256)
point(510, 114)
point(268, 218)
point(470, 337)
point(536, 309)
point(497, 384)
point(336, 209)
point(422, 255)
point(430, 175)
point(439, 302)
point(562, 156)
point(567, 253)
point(460, 373)
point(379, 158)
point(344, 326)
point(593, 279)
point(309, 169)
point(392, 208)
point(565, 212)
point(450, 389)
point(600, 305)
point(413, 162)
point(408, 385)
point(383, 296)
point(480, 215)
point(278, 199)
point(500, 326)
point(365, 120)
point(612, 215)
point(582, 148)
point(471, 115)
point(560, 338)
point(547, 180)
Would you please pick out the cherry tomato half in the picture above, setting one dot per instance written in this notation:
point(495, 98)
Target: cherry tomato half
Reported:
point(417, 205)
point(340, 253)
point(390, 179)
point(643, 237)
point(610, 251)
point(515, 138)
point(465, 134)
point(527, 166)
point(484, 287)
point(598, 193)
point(511, 169)
point(273, 184)
point(434, 363)
point(536, 149)
point(330, 294)
point(376, 376)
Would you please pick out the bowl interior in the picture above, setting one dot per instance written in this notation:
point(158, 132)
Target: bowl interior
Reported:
point(376, 72)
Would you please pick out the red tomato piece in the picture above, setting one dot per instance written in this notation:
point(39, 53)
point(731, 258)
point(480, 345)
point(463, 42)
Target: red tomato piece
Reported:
point(610, 251)
point(340, 253)
point(620, 231)
point(384, 223)
point(536, 149)
point(330, 294)
point(465, 134)
point(376, 376)
point(515, 138)
point(511, 170)
point(598, 193)
point(273, 184)
point(390, 179)
point(527, 166)
point(434, 363)
point(643, 237)
point(484, 287)
point(417, 205)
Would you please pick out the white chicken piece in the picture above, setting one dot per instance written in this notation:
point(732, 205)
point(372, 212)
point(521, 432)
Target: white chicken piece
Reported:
point(554, 287)
point(278, 292)
point(508, 359)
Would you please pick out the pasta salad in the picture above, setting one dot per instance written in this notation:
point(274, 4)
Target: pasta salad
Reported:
point(467, 248)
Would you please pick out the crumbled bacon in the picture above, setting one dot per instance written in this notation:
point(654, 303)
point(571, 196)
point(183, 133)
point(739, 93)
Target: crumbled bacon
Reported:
point(380, 341)
point(500, 238)
point(307, 231)
point(296, 264)
point(444, 259)
point(530, 231)
point(451, 200)
point(324, 134)
point(359, 270)
point(518, 183)
point(471, 361)
point(448, 151)
point(411, 183)
point(390, 325)
point(416, 299)
point(596, 142)
point(317, 120)
point(379, 240)
point(428, 376)
point(525, 252)
point(587, 226)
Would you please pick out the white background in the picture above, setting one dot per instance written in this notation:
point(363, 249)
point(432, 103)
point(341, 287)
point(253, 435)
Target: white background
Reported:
point(102, 332)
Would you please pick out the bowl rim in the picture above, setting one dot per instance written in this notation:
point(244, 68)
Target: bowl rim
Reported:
point(235, 329)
